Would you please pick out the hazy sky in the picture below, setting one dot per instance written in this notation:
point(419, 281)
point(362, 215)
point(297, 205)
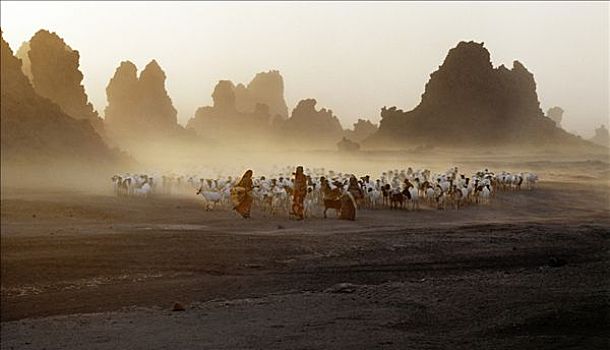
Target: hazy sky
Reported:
point(354, 58)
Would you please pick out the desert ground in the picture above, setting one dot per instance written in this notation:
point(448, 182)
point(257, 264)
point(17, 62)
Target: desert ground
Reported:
point(86, 270)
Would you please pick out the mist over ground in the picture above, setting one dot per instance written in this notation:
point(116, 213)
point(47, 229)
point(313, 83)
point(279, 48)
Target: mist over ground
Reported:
point(471, 216)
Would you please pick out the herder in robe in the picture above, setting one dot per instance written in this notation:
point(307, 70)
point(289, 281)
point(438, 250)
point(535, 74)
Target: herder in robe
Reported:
point(299, 193)
point(241, 195)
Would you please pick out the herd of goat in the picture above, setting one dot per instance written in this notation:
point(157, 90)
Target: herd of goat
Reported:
point(395, 189)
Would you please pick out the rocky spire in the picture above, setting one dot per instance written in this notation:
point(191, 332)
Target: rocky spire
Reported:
point(55, 75)
point(139, 106)
point(122, 96)
point(26, 65)
point(14, 82)
point(36, 130)
point(155, 104)
point(224, 96)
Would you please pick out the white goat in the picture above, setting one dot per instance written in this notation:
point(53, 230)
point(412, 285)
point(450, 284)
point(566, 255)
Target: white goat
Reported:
point(212, 198)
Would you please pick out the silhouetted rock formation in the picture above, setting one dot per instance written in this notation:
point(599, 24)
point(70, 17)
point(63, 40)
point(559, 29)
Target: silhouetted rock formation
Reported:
point(242, 110)
point(36, 130)
point(26, 65)
point(308, 126)
point(556, 115)
point(362, 129)
point(223, 122)
point(467, 102)
point(53, 69)
point(266, 88)
point(347, 145)
point(602, 137)
point(224, 97)
point(122, 112)
point(140, 108)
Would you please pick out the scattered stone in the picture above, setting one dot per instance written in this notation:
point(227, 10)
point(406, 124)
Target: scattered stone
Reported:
point(253, 266)
point(178, 307)
point(557, 262)
point(342, 288)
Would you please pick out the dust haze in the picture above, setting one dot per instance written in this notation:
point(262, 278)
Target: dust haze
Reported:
point(472, 218)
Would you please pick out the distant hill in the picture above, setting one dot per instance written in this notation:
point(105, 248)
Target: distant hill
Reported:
point(468, 102)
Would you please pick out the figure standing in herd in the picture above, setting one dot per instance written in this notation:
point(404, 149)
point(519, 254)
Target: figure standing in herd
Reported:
point(311, 192)
point(298, 194)
point(242, 195)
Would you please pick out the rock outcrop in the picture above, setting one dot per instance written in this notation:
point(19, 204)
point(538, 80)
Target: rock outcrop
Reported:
point(266, 88)
point(347, 145)
point(26, 65)
point(139, 107)
point(556, 115)
point(311, 127)
point(36, 130)
point(223, 122)
point(363, 128)
point(121, 113)
point(602, 137)
point(243, 110)
point(224, 97)
point(53, 68)
point(468, 102)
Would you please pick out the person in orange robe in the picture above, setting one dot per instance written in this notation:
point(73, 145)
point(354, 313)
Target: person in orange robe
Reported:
point(242, 195)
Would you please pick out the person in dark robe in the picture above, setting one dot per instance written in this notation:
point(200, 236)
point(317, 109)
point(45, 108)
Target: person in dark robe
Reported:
point(348, 207)
point(241, 195)
point(355, 189)
point(299, 193)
